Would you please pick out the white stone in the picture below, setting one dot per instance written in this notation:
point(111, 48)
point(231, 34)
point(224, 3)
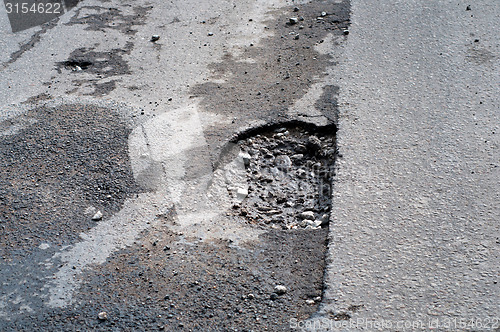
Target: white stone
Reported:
point(241, 193)
point(280, 289)
point(309, 215)
point(246, 158)
point(44, 246)
point(283, 161)
point(97, 216)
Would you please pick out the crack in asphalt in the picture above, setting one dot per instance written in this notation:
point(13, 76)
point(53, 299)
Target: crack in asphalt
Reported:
point(31, 43)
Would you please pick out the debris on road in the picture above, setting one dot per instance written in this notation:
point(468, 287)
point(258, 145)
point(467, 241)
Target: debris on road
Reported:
point(307, 215)
point(289, 173)
point(103, 315)
point(280, 289)
point(97, 216)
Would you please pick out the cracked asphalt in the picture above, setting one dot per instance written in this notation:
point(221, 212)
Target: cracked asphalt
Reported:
point(146, 132)
point(182, 140)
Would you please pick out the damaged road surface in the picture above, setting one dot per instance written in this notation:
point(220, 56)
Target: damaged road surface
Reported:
point(168, 168)
point(251, 165)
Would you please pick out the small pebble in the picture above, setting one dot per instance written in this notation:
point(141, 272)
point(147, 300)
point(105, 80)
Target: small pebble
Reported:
point(307, 215)
point(314, 143)
point(283, 162)
point(241, 193)
point(280, 289)
point(103, 315)
point(155, 38)
point(246, 158)
point(293, 20)
point(97, 216)
point(44, 246)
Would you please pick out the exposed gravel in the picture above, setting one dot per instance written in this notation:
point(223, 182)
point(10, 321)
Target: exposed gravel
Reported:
point(289, 172)
point(167, 280)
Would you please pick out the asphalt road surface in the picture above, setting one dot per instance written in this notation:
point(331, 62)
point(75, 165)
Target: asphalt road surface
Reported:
point(415, 235)
point(251, 165)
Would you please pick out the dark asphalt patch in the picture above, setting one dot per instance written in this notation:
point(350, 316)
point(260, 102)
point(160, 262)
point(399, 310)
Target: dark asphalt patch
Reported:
point(266, 79)
point(106, 64)
point(161, 283)
point(105, 18)
point(101, 65)
point(71, 158)
point(327, 104)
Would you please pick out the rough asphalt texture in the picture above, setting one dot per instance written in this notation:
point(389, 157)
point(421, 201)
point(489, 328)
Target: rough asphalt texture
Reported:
point(137, 129)
point(415, 235)
point(92, 108)
point(40, 194)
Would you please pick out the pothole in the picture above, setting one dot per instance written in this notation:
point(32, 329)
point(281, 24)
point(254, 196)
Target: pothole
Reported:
point(77, 65)
point(289, 171)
